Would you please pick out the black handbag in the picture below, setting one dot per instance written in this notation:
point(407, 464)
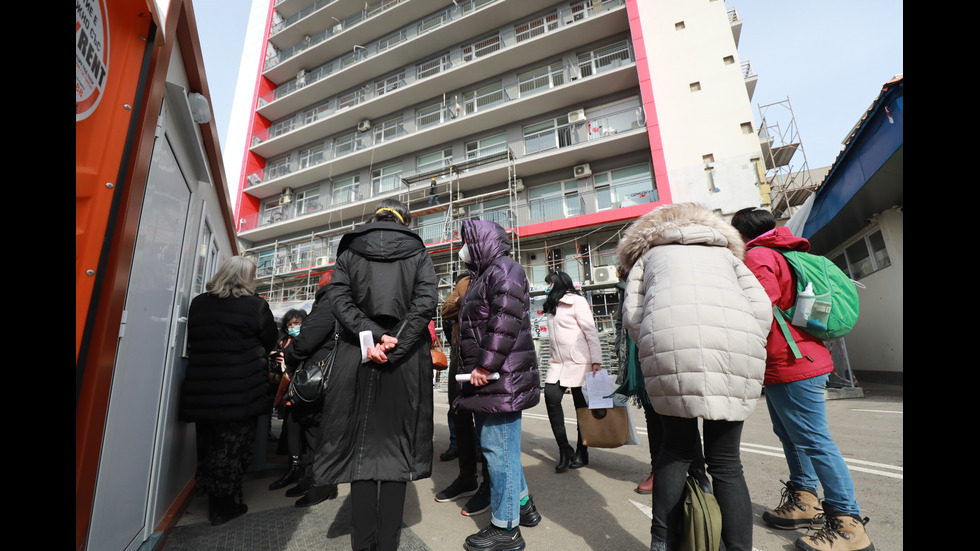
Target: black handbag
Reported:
point(310, 381)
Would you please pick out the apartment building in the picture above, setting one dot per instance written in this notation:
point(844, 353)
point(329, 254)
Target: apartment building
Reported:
point(561, 121)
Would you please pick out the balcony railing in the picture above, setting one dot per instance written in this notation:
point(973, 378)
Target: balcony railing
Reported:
point(301, 14)
point(281, 214)
point(508, 37)
point(575, 133)
point(366, 14)
point(746, 68)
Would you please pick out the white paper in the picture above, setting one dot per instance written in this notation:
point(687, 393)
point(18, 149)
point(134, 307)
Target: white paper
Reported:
point(597, 388)
point(367, 343)
point(465, 378)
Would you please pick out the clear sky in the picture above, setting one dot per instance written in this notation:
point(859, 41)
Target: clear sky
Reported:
point(830, 58)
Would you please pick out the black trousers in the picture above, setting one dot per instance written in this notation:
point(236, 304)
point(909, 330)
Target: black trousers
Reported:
point(376, 510)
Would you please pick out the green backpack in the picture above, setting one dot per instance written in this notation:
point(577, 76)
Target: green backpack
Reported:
point(702, 519)
point(833, 310)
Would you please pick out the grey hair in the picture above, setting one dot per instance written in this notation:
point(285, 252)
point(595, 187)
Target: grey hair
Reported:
point(236, 278)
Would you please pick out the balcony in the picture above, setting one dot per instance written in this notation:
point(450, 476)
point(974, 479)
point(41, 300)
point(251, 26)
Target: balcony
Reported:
point(576, 133)
point(323, 36)
point(392, 53)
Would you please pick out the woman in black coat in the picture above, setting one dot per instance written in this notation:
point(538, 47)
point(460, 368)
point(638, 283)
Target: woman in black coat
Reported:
point(230, 332)
point(313, 344)
point(377, 417)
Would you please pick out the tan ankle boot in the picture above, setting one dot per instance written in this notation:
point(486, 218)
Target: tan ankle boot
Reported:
point(797, 509)
point(839, 533)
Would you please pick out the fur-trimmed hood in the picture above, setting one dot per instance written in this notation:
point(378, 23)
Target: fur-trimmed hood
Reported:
point(677, 224)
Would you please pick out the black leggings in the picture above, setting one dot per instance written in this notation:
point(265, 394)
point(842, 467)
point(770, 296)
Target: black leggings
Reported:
point(376, 511)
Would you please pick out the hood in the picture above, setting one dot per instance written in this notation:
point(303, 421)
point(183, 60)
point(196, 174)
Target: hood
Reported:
point(382, 242)
point(780, 238)
point(677, 224)
point(487, 242)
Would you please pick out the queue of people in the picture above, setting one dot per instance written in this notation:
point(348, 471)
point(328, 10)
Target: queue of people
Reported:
point(698, 343)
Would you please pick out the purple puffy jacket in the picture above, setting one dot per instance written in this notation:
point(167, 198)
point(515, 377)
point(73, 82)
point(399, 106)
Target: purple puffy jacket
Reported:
point(495, 326)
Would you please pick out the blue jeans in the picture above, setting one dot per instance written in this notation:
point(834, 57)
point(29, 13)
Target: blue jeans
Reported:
point(799, 419)
point(500, 438)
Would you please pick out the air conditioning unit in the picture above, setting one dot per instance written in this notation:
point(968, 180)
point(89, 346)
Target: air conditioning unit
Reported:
point(582, 170)
point(322, 261)
point(286, 196)
point(576, 116)
point(604, 274)
point(364, 126)
point(519, 185)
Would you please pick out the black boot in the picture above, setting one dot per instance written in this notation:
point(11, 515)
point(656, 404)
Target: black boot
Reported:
point(565, 455)
point(223, 509)
point(581, 458)
point(557, 419)
point(292, 475)
point(317, 494)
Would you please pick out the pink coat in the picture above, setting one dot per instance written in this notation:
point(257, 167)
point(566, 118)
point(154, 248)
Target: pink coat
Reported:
point(574, 342)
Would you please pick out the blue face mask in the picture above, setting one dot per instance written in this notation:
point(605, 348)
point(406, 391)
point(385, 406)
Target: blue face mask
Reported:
point(548, 288)
point(293, 331)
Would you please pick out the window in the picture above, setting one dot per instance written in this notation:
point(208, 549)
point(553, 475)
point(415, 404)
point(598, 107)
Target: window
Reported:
point(486, 146)
point(264, 262)
point(344, 145)
point(311, 156)
point(346, 190)
point(277, 168)
point(728, 59)
point(863, 257)
point(536, 27)
point(389, 84)
point(434, 161)
point(387, 130)
point(483, 98)
point(624, 187)
point(430, 227)
point(432, 67)
point(602, 59)
point(307, 201)
point(301, 255)
point(554, 201)
point(540, 79)
point(495, 210)
point(386, 179)
point(746, 128)
point(547, 135)
point(281, 127)
point(311, 115)
point(679, 26)
point(429, 116)
point(695, 86)
point(350, 99)
point(481, 48)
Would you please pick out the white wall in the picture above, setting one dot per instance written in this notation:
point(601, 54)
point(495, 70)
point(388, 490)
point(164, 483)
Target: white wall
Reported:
point(877, 341)
point(693, 124)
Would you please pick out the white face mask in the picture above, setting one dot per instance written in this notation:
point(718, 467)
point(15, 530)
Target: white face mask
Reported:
point(464, 255)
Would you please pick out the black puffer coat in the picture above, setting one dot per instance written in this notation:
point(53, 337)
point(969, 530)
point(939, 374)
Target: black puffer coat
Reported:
point(228, 342)
point(377, 418)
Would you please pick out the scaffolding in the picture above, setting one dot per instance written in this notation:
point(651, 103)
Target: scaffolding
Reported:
point(787, 173)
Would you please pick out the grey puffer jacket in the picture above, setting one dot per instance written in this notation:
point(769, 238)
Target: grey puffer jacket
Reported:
point(698, 315)
point(495, 326)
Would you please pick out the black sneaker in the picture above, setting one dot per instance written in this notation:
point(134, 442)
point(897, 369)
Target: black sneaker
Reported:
point(529, 514)
point(493, 538)
point(479, 503)
point(461, 487)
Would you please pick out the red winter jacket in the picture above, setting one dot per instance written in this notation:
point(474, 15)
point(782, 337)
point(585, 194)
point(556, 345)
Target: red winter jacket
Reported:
point(776, 276)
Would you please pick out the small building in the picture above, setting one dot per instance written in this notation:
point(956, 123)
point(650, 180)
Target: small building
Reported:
point(856, 218)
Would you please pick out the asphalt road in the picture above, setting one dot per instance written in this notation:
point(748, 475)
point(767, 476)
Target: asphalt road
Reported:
point(595, 508)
